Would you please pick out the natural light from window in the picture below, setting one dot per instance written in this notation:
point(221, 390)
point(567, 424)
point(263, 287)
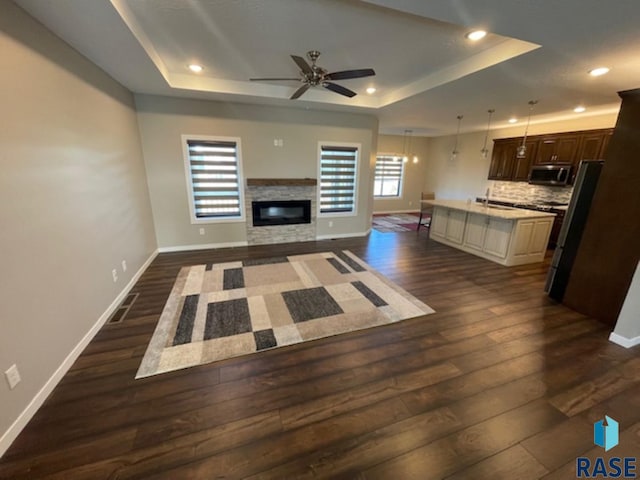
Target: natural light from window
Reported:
point(388, 176)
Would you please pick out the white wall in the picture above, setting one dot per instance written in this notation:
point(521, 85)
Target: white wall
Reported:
point(164, 120)
point(73, 204)
point(627, 329)
point(466, 176)
point(414, 173)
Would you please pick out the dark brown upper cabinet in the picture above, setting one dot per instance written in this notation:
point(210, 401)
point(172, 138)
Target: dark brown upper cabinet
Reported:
point(522, 166)
point(594, 145)
point(569, 147)
point(505, 164)
point(561, 148)
point(502, 159)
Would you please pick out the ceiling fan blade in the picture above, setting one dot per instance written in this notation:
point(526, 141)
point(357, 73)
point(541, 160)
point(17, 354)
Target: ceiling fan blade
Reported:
point(300, 91)
point(334, 87)
point(272, 79)
point(302, 63)
point(347, 74)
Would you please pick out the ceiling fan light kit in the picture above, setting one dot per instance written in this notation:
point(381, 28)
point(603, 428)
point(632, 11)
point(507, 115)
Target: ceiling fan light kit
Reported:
point(313, 75)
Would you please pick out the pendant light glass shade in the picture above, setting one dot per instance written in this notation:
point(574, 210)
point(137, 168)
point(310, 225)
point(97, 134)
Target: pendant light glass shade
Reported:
point(485, 151)
point(522, 149)
point(455, 151)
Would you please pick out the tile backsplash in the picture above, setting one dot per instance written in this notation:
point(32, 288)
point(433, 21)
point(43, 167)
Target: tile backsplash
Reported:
point(523, 192)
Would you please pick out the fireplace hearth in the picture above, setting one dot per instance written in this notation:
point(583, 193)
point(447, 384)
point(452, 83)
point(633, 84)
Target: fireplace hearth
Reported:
point(280, 212)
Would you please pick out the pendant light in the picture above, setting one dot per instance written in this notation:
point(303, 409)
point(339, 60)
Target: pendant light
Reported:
point(405, 158)
point(522, 149)
point(412, 155)
point(406, 148)
point(455, 151)
point(484, 152)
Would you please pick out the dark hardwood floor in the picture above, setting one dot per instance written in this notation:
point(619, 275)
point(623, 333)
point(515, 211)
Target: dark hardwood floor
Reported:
point(501, 382)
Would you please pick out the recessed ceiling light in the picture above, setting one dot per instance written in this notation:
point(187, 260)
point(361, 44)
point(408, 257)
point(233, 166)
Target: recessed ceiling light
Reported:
point(513, 120)
point(476, 35)
point(195, 68)
point(596, 72)
point(371, 90)
point(579, 109)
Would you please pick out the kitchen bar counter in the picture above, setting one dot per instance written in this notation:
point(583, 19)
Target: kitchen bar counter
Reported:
point(505, 235)
point(498, 211)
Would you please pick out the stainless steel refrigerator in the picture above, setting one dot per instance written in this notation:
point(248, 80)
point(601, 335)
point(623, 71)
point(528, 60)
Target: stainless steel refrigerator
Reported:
point(572, 228)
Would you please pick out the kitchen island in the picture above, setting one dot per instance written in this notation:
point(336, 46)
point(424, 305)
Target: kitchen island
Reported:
point(505, 235)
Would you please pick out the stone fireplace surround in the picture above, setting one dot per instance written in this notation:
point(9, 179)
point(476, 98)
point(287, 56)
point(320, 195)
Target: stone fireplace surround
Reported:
point(264, 189)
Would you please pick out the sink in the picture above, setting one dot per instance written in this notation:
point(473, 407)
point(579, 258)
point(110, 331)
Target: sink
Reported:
point(496, 207)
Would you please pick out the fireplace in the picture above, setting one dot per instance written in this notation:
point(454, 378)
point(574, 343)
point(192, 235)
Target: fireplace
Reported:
point(281, 212)
point(285, 226)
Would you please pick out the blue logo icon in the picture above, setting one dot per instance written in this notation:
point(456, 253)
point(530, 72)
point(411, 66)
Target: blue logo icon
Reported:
point(605, 433)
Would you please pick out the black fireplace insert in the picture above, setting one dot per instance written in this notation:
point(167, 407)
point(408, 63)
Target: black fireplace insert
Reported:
point(281, 212)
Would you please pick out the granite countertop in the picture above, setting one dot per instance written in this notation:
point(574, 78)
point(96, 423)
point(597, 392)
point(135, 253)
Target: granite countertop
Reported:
point(509, 213)
point(511, 203)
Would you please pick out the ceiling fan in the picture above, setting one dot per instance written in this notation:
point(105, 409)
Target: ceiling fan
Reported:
point(313, 75)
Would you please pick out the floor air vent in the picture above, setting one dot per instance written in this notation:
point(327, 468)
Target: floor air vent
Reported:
point(123, 309)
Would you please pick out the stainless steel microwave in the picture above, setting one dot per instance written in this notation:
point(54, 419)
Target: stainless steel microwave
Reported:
point(550, 174)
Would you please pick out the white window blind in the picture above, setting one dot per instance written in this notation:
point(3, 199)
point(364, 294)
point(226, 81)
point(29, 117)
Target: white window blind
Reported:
point(338, 179)
point(388, 176)
point(215, 182)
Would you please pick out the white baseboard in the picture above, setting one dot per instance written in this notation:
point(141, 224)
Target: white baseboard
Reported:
point(27, 414)
point(624, 341)
point(343, 235)
point(202, 246)
point(387, 212)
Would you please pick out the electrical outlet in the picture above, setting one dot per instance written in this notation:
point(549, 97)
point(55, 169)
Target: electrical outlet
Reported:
point(13, 376)
point(124, 265)
point(330, 223)
point(114, 274)
point(202, 231)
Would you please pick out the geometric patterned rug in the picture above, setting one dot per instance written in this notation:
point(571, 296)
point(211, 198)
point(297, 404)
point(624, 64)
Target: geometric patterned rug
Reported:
point(218, 311)
point(397, 222)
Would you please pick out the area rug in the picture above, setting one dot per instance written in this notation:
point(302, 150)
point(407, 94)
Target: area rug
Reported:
point(218, 311)
point(398, 222)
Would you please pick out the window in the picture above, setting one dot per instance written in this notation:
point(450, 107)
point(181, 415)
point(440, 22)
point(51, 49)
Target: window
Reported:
point(338, 164)
point(388, 177)
point(214, 178)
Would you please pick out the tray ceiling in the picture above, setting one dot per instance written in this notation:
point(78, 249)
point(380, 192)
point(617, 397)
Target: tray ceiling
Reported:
point(427, 72)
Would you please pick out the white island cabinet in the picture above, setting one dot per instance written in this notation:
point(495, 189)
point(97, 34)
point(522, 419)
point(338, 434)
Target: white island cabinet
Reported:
point(509, 236)
point(448, 224)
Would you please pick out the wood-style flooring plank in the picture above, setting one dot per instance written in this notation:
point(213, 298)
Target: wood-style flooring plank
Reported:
point(513, 463)
point(470, 445)
point(501, 382)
